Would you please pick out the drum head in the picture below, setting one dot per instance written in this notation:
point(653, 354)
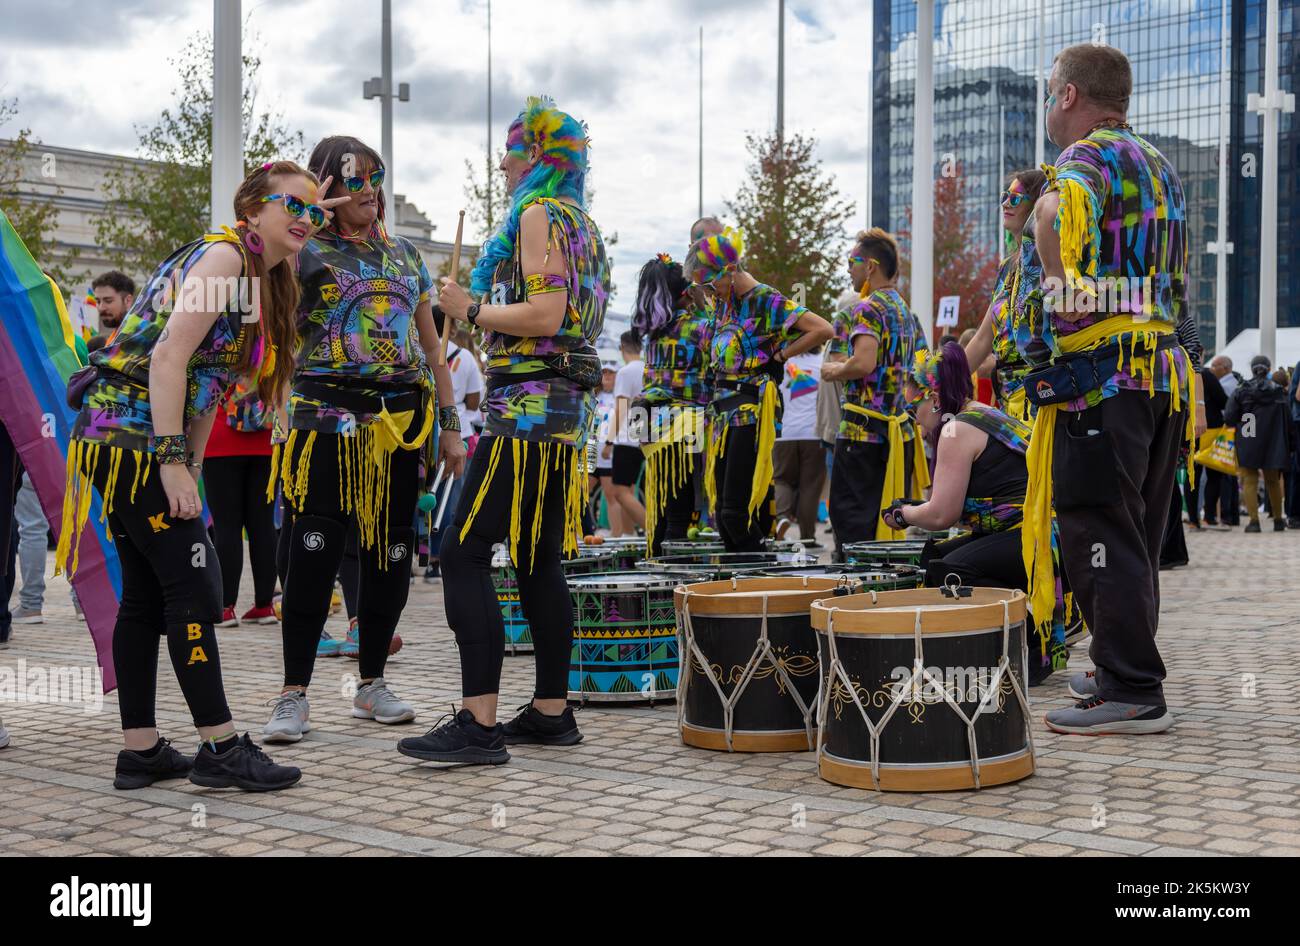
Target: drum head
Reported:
point(722, 562)
point(624, 581)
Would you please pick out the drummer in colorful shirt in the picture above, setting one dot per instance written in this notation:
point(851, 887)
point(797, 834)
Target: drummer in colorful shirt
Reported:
point(1115, 389)
point(359, 413)
point(675, 323)
point(542, 283)
point(999, 332)
point(755, 330)
point(877, 458)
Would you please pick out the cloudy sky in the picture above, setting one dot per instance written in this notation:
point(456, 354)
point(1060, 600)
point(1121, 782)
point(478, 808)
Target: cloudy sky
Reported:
point(87, 73)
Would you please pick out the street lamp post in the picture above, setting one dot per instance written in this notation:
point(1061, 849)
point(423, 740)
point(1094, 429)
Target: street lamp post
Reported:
point(381, 87)
point(227, 126)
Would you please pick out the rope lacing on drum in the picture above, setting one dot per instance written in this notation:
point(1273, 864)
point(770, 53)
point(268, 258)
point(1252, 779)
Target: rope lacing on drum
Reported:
point(912, 689)
point(762, 649)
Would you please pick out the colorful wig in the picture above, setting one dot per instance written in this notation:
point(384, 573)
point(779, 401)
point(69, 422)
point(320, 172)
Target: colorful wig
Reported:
point(561, 172)
point(659, 287)
point(716, 255)
point(944, 372)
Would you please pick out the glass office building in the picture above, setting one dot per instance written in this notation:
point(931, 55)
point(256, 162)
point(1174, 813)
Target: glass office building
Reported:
point(985, 116)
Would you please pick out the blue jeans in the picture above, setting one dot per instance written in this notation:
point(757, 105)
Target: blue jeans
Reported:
point(32, 546)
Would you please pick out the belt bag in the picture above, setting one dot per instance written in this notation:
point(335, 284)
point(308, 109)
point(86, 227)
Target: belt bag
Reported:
point(582, 368)
point(78, 382)
point(402, 398)
point(1072, 376)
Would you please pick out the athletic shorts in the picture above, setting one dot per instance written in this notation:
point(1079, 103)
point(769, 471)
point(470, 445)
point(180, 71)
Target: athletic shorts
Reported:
point(627, 465)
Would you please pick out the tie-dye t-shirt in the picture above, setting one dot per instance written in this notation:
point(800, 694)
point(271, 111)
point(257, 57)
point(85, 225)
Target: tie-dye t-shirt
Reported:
point(677, 362)
point(747, 334)
point(116, 410)
point(884, 316)
point(550, 409)
point(1129, 200)
point(244, 411)
point(356, 323)
point(1008, 332)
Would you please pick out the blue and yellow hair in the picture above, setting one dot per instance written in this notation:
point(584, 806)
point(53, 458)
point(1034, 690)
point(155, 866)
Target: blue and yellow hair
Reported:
point(560, 172)
point(716, 255)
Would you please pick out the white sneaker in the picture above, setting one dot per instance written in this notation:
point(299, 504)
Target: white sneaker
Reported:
point(290, 718)
point(23, 616)
point(376, 701)
point(4, 736)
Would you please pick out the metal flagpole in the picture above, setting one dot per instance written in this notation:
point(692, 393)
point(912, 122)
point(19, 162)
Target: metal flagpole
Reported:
point(1270, 105)
point(923, 170)
point(701, 169)
point(1040, 126)
point(1221, 246)
point(227, 120)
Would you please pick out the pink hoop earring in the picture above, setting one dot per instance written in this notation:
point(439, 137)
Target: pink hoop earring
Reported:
point(254, 243)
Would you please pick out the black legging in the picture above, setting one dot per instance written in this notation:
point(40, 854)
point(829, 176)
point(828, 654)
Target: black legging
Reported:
point(171, 586)
point(981, 560)
point(733, 479)
point(472, 611)
point(311, 549)
point(236, 493)
point(674, 521)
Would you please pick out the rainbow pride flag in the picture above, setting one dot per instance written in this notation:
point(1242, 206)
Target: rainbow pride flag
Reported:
point(36, 358)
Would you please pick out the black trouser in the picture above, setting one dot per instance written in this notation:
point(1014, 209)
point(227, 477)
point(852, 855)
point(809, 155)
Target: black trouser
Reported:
point(674, 521)
point(1112, 505)
point(236, 493)
point(171, 586)
point(981, 560)
point(1222, 503)
point(1191, 490)
point(11, 472)
point(311, 549)
point(472, 610)
point(733, 483)
point(1173, 547)
point(857, 483)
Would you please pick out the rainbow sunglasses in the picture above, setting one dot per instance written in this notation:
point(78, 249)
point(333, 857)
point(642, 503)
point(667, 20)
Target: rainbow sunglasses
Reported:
point(297, 207)
point(376, 179)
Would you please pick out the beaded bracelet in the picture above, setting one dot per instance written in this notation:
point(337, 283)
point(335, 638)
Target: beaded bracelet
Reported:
point(171, 448)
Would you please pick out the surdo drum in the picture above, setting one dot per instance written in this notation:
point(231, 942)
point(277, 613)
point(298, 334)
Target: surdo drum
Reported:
point(923, 690)
point(749, 662)
point(624, 637)
point(519, 636)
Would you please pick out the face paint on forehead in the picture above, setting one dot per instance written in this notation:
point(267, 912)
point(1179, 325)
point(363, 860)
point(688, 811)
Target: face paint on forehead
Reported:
point(515, 137)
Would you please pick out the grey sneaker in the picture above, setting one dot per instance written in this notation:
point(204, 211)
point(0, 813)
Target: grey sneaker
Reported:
point(290, 718)
point(1098, 717)
point(24, 616)
point(1083, 686)
point(376, 701)
point(4, 736)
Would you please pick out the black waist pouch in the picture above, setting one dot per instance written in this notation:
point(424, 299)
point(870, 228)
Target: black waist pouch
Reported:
point(78, 382)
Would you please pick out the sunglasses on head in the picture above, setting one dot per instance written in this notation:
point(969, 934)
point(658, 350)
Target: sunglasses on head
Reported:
point(1012, 199)
point(297, 207)
point(376, 179)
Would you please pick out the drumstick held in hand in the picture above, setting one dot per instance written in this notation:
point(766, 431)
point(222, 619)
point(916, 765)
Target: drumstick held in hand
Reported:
point(455, 275)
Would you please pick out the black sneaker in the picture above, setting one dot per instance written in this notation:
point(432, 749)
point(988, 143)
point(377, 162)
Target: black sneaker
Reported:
point(460, 739)
point(1251, 527)
point(244, 765)
point(1279, 525)
point(534, 728)
point(138, 771)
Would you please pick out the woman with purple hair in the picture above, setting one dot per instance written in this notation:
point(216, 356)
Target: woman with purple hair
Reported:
point(675, 323)
point(979, 481)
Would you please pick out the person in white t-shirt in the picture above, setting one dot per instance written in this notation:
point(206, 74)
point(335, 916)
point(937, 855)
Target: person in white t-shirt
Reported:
point(603, 472)
point(798, 461)
point(622, 446)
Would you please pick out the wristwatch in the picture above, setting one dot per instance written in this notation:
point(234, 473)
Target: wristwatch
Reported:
point(471, 314)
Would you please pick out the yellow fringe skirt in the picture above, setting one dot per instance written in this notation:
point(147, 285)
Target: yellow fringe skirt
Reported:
point(669, 465)
point(553, 459)
point(84, 457)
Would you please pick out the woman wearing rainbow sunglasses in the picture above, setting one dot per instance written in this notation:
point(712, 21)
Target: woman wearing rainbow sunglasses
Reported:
point(1000, 333)
point(756, 329)
point(357, 418)
point(218, 309)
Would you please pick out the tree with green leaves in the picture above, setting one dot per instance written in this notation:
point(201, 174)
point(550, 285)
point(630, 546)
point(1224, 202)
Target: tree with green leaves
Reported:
point(794, 220)
point(154, 208)
point(33, 217)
